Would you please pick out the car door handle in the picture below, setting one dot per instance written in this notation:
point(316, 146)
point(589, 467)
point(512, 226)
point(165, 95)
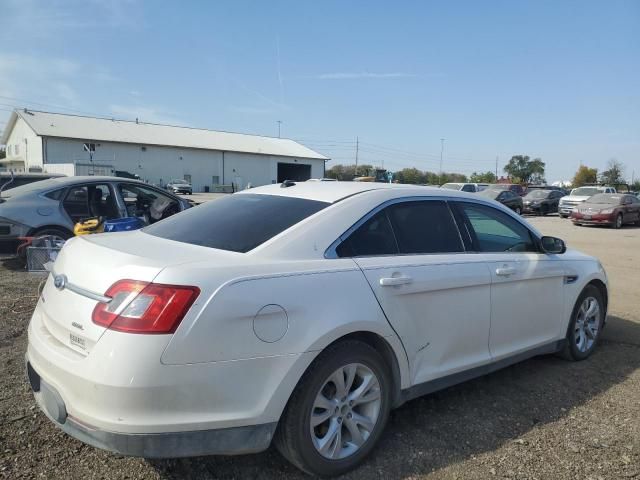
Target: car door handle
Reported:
point(505, 271)
point(392, 281)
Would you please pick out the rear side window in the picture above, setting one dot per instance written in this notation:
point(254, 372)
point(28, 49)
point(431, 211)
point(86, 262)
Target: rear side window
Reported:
point(424, 227)
point(237, 223)
point(373, 237)
point(409, 228)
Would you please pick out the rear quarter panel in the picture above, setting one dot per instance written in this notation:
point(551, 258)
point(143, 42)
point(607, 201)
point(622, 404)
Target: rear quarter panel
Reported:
point(323, 300)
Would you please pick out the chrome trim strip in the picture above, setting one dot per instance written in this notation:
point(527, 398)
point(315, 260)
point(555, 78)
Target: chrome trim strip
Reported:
point(79, 290)
point(87, 293)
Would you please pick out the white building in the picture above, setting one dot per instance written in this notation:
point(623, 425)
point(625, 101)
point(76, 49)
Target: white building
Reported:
point(59, 143)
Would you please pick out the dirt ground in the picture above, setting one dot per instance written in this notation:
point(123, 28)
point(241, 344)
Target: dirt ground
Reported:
point(542, 419)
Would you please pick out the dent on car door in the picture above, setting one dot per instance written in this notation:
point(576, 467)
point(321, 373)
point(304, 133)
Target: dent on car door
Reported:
point(434, 296)
point(527, 290)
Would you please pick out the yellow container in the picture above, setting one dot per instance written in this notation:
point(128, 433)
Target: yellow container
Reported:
point(91, 225)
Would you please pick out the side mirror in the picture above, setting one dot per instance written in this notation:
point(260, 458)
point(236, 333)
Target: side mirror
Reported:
point(553, 245)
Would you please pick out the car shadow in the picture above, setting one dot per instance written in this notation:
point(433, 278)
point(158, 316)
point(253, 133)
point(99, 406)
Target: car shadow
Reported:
point(461, 422)
point(15, 264)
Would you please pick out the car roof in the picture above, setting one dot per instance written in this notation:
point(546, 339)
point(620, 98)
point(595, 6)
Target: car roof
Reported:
point(332, 192)
point(62, 182)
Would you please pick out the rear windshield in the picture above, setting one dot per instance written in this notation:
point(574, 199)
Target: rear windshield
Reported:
point(452, 186)
point(237, 223)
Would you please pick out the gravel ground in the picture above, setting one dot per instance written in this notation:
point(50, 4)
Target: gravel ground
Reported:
point(542, 419)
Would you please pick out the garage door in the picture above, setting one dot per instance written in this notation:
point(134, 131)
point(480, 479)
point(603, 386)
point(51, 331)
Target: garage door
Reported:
point(293, 171)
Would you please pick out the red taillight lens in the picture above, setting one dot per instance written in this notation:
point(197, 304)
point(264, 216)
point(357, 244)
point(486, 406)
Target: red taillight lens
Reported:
point(141, 307)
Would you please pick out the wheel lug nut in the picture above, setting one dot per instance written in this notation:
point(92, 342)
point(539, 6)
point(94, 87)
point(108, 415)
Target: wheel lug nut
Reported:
point(349, 415)
point(351, 403)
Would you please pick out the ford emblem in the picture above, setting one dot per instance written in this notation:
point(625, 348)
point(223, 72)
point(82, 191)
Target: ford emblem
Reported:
point(60, 281)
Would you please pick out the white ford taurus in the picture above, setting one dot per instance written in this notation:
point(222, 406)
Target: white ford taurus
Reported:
point(300, 313)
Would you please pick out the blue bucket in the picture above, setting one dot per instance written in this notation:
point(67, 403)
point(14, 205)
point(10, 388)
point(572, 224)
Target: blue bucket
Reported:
point(123, 224)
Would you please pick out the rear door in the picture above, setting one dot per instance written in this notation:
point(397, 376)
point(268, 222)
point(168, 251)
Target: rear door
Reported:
point(434, 295)
point(527, 290)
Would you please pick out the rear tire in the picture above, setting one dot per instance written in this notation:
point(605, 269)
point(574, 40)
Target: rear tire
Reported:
point(587, 320)
point(319, 409)
point(60, 233)
point(562, 215)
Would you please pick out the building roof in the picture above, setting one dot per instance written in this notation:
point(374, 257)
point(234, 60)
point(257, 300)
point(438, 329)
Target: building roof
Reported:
point(47, 124)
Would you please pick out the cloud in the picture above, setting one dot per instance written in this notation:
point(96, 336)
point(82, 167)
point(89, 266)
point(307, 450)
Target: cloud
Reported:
point(361, 75)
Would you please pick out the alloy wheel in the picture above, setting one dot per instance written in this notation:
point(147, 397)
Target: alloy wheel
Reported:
point(587, 324)
point(345, 411)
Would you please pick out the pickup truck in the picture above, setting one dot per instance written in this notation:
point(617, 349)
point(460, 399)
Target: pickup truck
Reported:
point(579, 195)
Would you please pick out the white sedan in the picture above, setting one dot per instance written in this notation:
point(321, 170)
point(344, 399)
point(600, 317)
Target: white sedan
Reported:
point(299, 313)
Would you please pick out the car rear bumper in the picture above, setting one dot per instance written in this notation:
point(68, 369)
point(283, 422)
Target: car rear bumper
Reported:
point(224, 441)
point(121, 397)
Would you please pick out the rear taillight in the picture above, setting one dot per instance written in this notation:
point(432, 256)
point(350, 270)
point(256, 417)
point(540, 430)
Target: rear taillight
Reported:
point(141, 307)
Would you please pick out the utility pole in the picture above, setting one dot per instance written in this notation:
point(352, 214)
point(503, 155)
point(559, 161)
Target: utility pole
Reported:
point(279, 123)
point(357, 148)
point(496, 168)
point(441, 152)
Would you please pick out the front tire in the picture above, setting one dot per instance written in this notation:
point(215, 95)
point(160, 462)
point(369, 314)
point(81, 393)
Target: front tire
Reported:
point(587, 320)
point(518, 210)
point(618, 223)
point(338, 411)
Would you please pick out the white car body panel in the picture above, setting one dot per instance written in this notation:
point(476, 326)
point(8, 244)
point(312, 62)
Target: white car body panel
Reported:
point(426, 314)
point(263, 316)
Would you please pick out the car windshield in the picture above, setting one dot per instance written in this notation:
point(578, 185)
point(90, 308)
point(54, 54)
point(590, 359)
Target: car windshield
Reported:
point(536, 194)
point(238, 222)
point(491, 193)
point(585, 191)
point(606, 198)
point(452, 186)
point(184, 182)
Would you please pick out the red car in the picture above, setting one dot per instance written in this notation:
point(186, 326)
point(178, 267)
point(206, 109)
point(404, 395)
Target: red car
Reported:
point(612, 209)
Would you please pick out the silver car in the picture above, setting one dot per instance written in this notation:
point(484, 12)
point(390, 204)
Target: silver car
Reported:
point(54, 206)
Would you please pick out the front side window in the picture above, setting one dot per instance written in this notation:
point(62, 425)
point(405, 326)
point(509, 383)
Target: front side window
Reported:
point(146, 203)
point(238, 222)
point(491, 230)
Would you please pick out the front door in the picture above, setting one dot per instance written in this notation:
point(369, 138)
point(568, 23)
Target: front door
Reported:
point(527, 289)
point(436, 297)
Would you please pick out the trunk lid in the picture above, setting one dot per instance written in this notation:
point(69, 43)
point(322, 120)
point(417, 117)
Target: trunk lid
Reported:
point(87, 266)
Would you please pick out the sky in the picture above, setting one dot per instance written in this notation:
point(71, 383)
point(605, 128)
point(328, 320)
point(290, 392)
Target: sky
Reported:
point(554, 80)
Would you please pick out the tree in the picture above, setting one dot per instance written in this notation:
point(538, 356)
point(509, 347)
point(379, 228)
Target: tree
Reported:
point(486, 177)
point(347, 172)
point(613, 174)
point(524, 170)
point(410, 175)
point(635, 186)
point(584, 175)
point(454, 177)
